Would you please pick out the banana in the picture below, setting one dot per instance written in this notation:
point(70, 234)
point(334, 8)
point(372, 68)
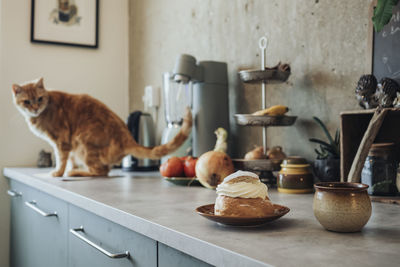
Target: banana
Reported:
point(277, 110)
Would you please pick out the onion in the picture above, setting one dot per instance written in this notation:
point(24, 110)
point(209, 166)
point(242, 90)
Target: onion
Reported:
point(256, 153)
point(212, 167)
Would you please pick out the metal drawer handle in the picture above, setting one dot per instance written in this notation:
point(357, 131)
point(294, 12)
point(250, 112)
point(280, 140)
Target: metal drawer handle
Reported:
point(13, 193)
point(102, 250)
point(32, 205)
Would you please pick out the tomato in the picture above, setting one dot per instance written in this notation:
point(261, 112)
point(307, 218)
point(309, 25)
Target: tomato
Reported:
point(189, 167)
point(173, 167)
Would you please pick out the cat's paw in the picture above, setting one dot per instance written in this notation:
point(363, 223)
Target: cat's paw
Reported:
point(57, 173)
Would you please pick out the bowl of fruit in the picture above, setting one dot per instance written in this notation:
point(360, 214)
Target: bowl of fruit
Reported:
point(180, 171)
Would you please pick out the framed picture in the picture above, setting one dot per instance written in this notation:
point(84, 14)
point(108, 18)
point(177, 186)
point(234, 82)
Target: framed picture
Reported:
point(65, 22)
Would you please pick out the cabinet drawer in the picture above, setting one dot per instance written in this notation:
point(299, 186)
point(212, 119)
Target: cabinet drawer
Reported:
point(170, 257)
point(40, 227)
point(109, 237)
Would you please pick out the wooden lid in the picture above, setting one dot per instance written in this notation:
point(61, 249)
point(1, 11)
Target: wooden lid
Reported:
point(294, 160)
point(381, 147)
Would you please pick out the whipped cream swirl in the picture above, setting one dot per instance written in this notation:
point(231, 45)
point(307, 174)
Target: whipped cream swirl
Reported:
point(254, 189)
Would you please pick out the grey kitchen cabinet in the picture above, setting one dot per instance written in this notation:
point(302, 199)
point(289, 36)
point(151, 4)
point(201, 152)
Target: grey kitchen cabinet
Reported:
point(39, 225)
point(18, 225)
point(170, 257)
point(88, 230)
point(47, 231)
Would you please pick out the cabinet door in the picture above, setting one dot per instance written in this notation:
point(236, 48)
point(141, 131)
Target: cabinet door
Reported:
point(47, 229)
point(18, 225)
point(170, 257)
point(39, 237)
point(101, 234)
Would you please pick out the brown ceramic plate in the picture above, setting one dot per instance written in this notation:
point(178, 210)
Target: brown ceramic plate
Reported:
point(185, 181)
point(207, 211)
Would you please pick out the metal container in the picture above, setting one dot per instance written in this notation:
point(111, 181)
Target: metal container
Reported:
point(142, 129)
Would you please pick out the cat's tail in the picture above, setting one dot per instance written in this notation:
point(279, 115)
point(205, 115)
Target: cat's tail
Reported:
point(157, 152)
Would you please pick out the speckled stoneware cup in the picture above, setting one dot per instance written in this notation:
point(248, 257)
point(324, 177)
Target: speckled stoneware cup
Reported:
point(342, 207)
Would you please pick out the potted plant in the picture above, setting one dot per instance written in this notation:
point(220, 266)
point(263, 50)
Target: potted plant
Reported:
point(383, 13)
point(327, 164)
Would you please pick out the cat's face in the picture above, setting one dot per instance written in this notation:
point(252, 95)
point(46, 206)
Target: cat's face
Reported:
point(31, 98)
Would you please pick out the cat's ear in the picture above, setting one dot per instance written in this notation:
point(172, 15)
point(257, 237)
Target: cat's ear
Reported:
point(16, 89)
point(39, 84)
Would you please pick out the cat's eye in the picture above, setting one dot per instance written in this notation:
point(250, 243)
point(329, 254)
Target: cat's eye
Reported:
point(40, 99)
point(27, 102)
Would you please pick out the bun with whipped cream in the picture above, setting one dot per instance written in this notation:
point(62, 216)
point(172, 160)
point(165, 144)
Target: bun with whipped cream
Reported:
point(242, 194)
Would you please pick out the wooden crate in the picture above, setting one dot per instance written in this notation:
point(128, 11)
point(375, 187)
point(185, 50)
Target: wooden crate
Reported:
point(353, 125)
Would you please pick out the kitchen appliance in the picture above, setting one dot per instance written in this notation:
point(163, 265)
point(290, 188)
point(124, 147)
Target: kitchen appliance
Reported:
point(177, 96)
point(141, 126)
point(204, 85)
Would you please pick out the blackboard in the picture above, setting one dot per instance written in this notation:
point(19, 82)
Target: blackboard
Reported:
point(386, 49)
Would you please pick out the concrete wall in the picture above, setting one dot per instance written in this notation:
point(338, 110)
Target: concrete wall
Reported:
point(324, 41)
point(102, 73)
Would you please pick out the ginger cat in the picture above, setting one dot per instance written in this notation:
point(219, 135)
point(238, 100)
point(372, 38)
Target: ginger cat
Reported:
point(81, 126)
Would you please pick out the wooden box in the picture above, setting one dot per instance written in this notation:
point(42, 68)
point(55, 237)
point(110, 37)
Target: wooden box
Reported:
point(353, 125)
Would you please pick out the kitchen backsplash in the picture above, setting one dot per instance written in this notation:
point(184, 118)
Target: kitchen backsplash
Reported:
point(323, 41)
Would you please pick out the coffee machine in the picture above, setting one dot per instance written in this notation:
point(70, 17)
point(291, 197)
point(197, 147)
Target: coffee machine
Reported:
point(205, 84)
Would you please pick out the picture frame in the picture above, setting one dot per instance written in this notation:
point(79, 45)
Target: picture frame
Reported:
point(65, 22)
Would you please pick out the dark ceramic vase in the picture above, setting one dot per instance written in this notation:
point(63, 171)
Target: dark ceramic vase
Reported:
point(327, 170)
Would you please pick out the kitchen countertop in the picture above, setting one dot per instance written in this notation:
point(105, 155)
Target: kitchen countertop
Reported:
point(147, 204)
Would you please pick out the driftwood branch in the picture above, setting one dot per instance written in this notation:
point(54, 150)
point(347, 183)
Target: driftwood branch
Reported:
point(365, 145)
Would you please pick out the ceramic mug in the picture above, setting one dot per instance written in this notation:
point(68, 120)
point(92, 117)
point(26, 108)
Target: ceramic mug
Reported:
point(342, 207)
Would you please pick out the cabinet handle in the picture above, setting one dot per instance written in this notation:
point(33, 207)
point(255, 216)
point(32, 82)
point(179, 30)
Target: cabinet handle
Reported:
point(75, 231)
point(13, 193)
point(32, 205)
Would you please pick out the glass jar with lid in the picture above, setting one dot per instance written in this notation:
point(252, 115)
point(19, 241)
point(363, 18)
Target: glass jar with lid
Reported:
point(380, 170)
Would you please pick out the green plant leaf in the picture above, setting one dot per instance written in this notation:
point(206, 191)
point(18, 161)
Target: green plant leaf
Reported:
point(337, 137)
point(318, 152)
point(328, 135)
point(322, 143)
point(325, 153)
point(383, 13)
point(321, 155)
point(325, 146)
